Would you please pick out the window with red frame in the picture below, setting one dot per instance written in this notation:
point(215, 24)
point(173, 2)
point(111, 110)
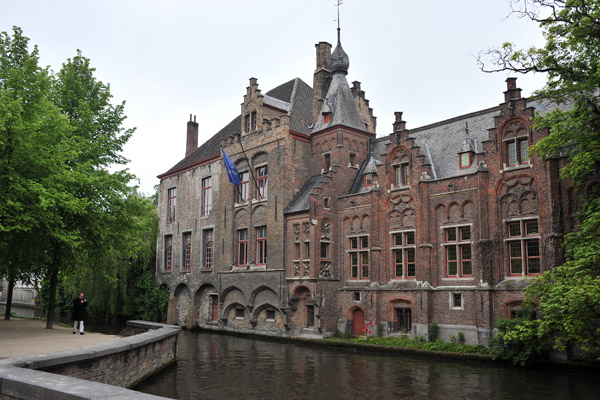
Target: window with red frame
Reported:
point(262, 182)
point(326, 118)
point(404, 255)
point(261, 245)
point(242, 195)
point(368, 180)
point(517, 152)
point(523, 248)
point(187, 250)
point(168, 253)
point(208, 248)
point(206, 196)
point(464, 160)
point(171, 204)
point(457, 244)
point(402, 175)
point(359, 257)
point(242, 258)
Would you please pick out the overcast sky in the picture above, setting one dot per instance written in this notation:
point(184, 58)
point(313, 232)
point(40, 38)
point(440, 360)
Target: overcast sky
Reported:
point(172, 58)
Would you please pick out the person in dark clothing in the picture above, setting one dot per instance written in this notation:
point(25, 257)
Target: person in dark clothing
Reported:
point(79, 313)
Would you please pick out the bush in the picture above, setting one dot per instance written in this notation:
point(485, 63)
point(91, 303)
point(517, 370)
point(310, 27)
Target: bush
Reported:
point(461, 337)
point(517, 340)
point(434, 331)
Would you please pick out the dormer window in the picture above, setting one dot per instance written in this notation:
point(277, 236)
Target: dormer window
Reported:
point(368, 180)
point(250, 121)
point(464, 160)
point(326, 117)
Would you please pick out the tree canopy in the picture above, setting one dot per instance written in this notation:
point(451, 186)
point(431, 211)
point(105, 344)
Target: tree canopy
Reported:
point(568, 296)
point(64, 203)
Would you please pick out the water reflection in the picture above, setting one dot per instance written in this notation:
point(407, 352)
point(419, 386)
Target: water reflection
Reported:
point(228, 367)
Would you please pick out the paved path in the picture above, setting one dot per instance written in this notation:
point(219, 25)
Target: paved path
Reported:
point(23, 337)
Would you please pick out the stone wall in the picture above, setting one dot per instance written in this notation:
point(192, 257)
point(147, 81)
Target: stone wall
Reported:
point(89, 372)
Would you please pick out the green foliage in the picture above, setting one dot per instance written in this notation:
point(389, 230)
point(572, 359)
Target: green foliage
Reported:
point(434, 331)
point(418, 343)
point(67, 213)
point(126, 286)
point(33, 153)
point(461, 337)
point(517, 340)
point(568, 296)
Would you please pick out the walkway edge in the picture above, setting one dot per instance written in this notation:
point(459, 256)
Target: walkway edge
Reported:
point(21, 379)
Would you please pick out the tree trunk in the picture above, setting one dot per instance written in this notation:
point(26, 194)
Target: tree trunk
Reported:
point(52, 297)
point(9, 295)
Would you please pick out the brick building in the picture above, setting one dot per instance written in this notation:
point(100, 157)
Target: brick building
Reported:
point(445, 223)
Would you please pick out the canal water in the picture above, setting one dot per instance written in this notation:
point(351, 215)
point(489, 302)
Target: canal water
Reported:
point(213, 366)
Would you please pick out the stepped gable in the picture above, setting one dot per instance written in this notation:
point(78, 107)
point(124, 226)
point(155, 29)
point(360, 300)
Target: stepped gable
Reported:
point(301, 201)
point(295, 93)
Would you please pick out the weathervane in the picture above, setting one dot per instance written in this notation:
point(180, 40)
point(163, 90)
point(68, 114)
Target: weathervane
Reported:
point(339, 2)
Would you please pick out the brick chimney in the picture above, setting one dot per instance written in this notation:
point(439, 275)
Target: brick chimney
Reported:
point(192, 136)
point(512, 92)
point(321, 78)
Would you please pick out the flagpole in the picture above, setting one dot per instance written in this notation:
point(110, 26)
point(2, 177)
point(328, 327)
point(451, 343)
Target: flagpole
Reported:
point(236, 186)
point(250, 168)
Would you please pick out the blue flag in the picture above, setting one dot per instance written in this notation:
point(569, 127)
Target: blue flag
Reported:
point(232, 172)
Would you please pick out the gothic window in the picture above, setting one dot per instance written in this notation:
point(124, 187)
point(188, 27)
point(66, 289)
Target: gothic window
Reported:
point(402, 175)
point(516, 151)
point(523, 247)
point(261, 245)
point(208, 248)
point(168, 262)
point(242, 195)
point(250, 121)
point(171, 203)
point(262, 182)
point(359, 257)
point(206, 196)
point(186, 250)
point(242, 252)
point(404, 255)
point(457, 246)
point(327, 162)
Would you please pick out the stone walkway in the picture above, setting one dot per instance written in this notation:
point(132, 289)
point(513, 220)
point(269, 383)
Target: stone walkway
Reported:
point(23, 337)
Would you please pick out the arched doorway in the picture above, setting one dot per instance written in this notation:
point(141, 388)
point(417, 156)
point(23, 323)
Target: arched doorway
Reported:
point(358, 316)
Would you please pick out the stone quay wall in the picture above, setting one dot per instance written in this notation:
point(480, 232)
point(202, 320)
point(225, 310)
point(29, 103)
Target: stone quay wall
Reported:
point(93, 372)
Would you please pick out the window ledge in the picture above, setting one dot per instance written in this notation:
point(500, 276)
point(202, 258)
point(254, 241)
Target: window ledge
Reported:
point(506, 168)
point(399, 188)
point(460, 278)
point(237, 205)
point(256, 201)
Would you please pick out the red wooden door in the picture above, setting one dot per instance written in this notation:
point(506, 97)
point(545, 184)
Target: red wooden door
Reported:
point(215, 308)
point(359, 322)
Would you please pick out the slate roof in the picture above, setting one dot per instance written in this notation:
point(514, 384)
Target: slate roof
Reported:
point(210, 148)
point(294, 96)
point(301, 201)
